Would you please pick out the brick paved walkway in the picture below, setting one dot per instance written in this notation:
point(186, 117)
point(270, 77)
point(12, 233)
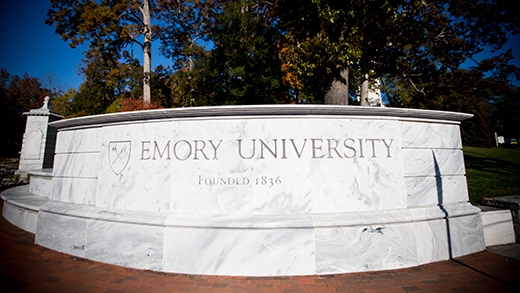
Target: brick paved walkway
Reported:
point(27, 267)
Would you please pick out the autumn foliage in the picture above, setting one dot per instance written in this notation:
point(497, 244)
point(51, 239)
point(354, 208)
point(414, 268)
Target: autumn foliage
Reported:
point(131, 104)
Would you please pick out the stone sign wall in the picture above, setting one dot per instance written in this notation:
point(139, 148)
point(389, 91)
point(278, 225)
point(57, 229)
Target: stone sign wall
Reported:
point(236, 167)
point(262, 190)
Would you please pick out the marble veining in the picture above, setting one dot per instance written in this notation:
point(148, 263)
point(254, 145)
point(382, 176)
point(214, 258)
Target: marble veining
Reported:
point(62, 233)
point(422, 191)
point(365, 248)
point(74, 190)
point(421, 162)
point(23, 218)
point(141, 184)
point(271, 252)
point(498, 226)
point(78, 141)
point(432, 241)
point(426, 135)
point(81, 165)
point(260, 221)
point(41, 183)
point(466, 235)
point(129, 245)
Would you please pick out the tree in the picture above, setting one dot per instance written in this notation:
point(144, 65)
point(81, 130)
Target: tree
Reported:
point(50, 81)
point(107, 86)
point(105, 79)
point(110, 27)
point(242, 68)
point(17, 95)
point(343, 37)
point(398, 40)
point(316, 49)
point(184, 26)
point(225, 52)
point(161, 87)
point(63, 104)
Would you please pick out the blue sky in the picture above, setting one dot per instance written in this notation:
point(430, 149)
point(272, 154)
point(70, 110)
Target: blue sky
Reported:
point(30, 46)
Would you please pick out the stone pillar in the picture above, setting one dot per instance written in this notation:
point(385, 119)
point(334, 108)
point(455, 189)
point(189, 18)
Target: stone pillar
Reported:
point(39, 140)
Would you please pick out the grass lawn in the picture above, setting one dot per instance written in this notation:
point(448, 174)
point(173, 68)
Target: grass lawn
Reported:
point(492, 172)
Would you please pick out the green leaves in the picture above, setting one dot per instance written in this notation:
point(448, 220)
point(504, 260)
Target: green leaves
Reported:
point(109, 27)
point(293, 51)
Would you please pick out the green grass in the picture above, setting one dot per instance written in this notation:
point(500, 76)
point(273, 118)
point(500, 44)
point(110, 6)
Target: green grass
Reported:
point(492, 172)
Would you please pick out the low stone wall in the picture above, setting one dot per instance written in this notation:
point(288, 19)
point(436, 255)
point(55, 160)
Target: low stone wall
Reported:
point(511, 203)
point(41, 182)
point(498, 226)
point(21, 207)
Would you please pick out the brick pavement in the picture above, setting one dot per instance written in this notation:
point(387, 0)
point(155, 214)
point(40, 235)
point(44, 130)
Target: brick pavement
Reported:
point(27, 267)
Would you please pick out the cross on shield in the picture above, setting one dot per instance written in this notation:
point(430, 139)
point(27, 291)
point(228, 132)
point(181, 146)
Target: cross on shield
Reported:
point(119, 155)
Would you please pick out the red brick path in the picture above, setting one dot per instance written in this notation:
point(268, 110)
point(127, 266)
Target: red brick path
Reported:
point(27, 267)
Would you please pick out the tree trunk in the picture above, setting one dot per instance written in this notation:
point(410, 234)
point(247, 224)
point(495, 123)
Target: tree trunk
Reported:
point(147, 49)
point(338, 91)
point(363, 96)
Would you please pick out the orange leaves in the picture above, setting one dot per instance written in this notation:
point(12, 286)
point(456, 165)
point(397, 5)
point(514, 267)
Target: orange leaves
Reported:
point(289, 72)
point(130, 104)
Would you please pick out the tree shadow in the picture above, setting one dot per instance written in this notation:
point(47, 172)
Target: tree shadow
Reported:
point(440, 199)
point(491, 165)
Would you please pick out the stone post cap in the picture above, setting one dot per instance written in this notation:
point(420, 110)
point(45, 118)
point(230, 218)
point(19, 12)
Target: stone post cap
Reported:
point(46, 101)
point(45, 110)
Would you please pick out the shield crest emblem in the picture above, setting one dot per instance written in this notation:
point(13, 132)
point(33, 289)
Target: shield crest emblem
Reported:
point(119, 155)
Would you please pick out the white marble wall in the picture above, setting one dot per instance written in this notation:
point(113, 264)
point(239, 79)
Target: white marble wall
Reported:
point(261, 195)
point(466, 235)
point(173, 161)
point(125, 244)
point(76, 164)
point(431, 238)
point(23, 218)
point(262, 245)
point(498, 226)
point(434, 167)
point(435, 176)
point(126, 239)
point(41, 182)
point(83, 164)
point(62, 233)
point(127, 182)
point(431, 134)
point(242, 252)
point(21, 207)
point(424, 190)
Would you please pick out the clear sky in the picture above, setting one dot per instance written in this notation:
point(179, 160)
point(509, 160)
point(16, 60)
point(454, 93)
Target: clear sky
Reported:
point(30, 46)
